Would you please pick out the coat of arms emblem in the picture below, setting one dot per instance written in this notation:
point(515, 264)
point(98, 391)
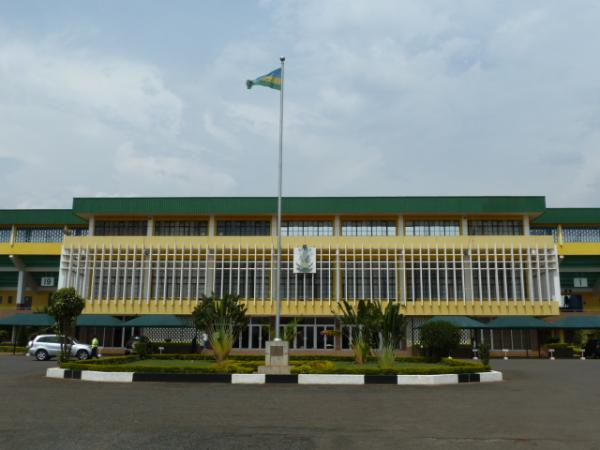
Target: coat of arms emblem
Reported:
point(305, 259)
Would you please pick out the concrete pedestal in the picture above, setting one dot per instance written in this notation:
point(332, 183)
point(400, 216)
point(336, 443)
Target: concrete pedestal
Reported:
point(276, 359)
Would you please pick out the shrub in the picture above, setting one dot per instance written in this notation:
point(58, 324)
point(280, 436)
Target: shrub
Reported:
point(439, 339)
point(222, 319)
point(143, 349)
point(364, 327)
point(9, 349)
point(484, 353)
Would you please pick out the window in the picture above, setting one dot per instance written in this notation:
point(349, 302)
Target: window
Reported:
point(5, 234)
point(243, 228)
point(80, 231)
point(369, 280)
point(495, 227)
point(581, 234)
point(306, 228)
point(1, 300)
point(10, 299)
point(369, 228)
point(544, 231)
point(40, 234)
point(432, 228)
point(121, 228)
point(181, 228)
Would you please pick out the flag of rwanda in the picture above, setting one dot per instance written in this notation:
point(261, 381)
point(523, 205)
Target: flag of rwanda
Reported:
point(272, 80)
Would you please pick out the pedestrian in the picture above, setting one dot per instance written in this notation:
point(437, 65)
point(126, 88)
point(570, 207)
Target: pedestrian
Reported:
point(195, 344)
point(205, 340)
point(95, 344)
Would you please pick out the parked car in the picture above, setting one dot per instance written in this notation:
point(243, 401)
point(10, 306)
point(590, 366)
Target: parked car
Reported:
point(592, 348)
point(46, 346)
point(133, 341)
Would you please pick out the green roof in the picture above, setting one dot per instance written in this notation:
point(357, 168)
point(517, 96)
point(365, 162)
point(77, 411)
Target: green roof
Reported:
point(39, 217)
point(156, 320)
point(29, 319)
point(518, 322)
point(569, 216)
point(458, 321)
point(98, 320)
point(581, 322)
point(308, 205)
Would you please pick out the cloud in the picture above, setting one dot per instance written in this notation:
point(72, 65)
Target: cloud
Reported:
point(170, 170)
point(382, 98)
point(115, 90)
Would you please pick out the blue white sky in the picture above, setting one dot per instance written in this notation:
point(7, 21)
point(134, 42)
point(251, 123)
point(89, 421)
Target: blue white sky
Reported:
point(139, 98)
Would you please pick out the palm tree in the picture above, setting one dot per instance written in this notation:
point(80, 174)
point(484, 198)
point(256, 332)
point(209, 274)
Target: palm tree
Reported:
point(222, 319)
point(392, 326)
point(363, 327)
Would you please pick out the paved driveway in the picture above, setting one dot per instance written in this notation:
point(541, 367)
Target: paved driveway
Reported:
point(542, 404)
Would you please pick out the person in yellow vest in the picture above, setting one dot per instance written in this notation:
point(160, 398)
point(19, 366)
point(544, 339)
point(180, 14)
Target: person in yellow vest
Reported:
point(95, 344)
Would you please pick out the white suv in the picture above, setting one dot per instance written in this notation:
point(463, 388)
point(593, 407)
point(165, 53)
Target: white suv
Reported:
point(46, 346)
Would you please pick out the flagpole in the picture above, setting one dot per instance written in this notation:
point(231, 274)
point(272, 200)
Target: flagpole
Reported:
point(278, 256)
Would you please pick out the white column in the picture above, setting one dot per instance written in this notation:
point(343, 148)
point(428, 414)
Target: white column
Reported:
point(13, 235)
point(21, 287)
point(337, 226)
point(464, 226)
point(400, 226)
point(150, 228)
point(526, 225)
point(91, 226)
point(212, 226)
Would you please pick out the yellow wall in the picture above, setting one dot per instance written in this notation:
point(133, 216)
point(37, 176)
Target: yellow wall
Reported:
point(50, 249)
point(325, 308)
point(323, 242)
point(39, 300)
point(579, 249)
point(591, 302)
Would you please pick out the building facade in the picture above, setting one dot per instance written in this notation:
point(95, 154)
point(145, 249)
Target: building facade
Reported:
point(482, 257)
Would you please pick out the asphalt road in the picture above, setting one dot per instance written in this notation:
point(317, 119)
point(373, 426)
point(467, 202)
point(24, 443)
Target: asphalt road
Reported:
point(542, 404)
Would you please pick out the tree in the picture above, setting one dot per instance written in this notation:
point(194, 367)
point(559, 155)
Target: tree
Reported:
point(222, 319)
point(362, 322)
point(392, 326)
point(439, 339)
point(66, 305)
point(290, 331)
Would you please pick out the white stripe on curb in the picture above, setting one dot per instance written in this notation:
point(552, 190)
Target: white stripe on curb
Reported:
point(108, 377)
point(55, 372)
point(412, 380)
point(493, 375)
point(305, 378)
point(248, 378)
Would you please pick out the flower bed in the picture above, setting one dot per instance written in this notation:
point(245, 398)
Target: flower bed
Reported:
point(249, 364)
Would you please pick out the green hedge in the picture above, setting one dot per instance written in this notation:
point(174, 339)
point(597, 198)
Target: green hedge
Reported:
point(9, 348)
point(227, 367)
point(303, 365)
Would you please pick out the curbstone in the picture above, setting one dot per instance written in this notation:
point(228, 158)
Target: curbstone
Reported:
point(256, 378)
point(306, 378)
point(55, 372)
point(248, 378)
point(427, 380)
point(492, 376)
point(107, 377)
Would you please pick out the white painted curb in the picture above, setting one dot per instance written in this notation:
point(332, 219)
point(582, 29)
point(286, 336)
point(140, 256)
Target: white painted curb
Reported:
point(55, 372)
point(107, 377)
point(248, 378)
point(415, 380)
point(487, 377)
point(305, 378)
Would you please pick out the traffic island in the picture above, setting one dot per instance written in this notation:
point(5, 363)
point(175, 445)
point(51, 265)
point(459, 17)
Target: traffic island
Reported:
point(304, 370)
